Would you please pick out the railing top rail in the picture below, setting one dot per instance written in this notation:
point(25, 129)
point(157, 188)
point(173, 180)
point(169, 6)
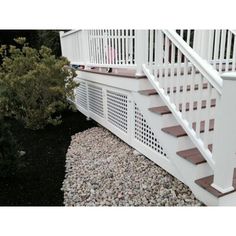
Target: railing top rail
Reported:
point(203, 66)
point(68, 33)
point(233, 31)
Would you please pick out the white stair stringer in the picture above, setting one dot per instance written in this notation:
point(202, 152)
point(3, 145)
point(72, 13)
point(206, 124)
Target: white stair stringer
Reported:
point(188, 172)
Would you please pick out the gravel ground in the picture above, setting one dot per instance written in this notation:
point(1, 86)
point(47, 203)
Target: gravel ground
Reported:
point(102, 170)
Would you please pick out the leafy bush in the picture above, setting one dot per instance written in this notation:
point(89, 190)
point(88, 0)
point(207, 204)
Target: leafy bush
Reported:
point(34, 84)
point(8, 151)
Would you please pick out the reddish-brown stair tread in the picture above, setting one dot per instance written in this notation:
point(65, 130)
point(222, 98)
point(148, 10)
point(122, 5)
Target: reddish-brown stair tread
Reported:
point(193, 155)
point(163, 110)
point(187, 88)
point(148, 92)
point(178, 131)
point(206, 184)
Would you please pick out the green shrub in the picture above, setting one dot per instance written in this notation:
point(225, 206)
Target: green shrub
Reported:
point(34, 84)
point(8, 151)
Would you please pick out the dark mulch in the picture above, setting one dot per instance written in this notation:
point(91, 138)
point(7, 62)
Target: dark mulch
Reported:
point(39, 180)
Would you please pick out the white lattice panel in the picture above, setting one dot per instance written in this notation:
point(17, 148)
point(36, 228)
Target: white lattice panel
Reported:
point(144, 134)
point(117, 111)
point(95, 96)
point(81, 95)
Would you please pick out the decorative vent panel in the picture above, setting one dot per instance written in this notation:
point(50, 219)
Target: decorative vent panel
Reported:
point(144, 134)
point(81, 95)
point(95, 100)
point(117, 110)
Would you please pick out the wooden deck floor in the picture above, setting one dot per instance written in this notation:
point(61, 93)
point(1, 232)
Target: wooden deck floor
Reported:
point(122, 72)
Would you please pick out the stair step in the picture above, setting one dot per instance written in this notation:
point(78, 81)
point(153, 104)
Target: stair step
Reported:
point(163, 110)
point(193, 155)
point(148, 92)
point(178, 131)
point(206, 184)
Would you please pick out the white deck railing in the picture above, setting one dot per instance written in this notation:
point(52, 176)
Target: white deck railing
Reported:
point(113, 48)
point(101, 48)
point(72, 46)
point(222, 50)
point(218, 47)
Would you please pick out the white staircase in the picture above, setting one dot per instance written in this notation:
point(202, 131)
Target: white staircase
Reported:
point(187, 120)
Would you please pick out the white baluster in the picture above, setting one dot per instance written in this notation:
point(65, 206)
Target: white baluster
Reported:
point(222, 49)
point(160, 39)
point(216, 47)
point(151, 51)
point(166, 64)
point(116, 37)
point(199, 93)
point(119, 47)
point(229, 40)
point(112, 47)
point(178, 79)
point(234, 54)
point(208, 115)
point(156, 54)
point(172, 73)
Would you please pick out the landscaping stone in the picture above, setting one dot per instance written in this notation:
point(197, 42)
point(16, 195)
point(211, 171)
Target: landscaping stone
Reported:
point(102, 170)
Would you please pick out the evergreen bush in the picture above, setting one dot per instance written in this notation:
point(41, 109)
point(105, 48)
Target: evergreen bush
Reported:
point(34, 84)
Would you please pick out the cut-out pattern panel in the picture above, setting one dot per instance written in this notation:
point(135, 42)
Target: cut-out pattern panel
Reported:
point(144, 134)
point(117, 109)
point(81, 95)
point(95, 95)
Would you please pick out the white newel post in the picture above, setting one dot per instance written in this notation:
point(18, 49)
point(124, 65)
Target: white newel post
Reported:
point(204, 44)
point(197, 41)
point(61, 41)
point(201, 43)
point(140, 46)
point(224, 143)
point(85, 48)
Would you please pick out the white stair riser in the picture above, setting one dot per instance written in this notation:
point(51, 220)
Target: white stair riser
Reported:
point(144, 84)
point(153, 101)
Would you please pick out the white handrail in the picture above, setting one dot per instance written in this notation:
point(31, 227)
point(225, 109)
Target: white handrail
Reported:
point(64, 34)
point(203, 66)
point(233, 31)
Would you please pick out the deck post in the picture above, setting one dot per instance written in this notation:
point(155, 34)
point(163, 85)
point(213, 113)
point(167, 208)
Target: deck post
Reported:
point(204, 44)
point(140, 46)
point(197, 41)
point(62, 49)
point(224, 142)
point(201, 43)
point(85, 48)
